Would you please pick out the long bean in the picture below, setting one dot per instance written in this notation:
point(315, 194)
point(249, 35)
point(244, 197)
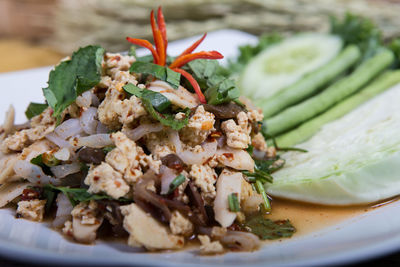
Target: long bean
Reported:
point(311, 83)
point(295, 115)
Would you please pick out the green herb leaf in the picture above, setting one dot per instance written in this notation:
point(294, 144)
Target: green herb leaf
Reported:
point(360, 31)
point(159, 101)
point(218, 88)
point(50, 196)
point(76, 195)
point(167, 119)
point(73, 77)
point(160, 72)
point(35, 109)
point(180, 179)
point(268, 229)
point(233, 201)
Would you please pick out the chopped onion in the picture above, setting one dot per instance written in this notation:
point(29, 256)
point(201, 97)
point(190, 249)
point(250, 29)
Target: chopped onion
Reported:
point(64, 209)
point(95, 141)
point(191, 157)
point(174, 139)
point(241, 241)
point(63, 154)
point(142, 130)
point(101, 128)
point(58, 140)
point(33, 173)
point(88, 120)
point(167, 176)
point(84, 100)
point(68, 128)
point(61, 171)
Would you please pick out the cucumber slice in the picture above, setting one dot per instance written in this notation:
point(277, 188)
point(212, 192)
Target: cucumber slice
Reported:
point(284, 63)
point(353, 160)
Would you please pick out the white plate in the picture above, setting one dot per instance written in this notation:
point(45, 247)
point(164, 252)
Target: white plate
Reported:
point(363, 237)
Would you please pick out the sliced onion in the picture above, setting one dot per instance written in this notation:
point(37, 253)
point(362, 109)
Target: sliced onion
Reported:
point(167, 176)
point(95, 141)
point(64, 209)
point(95, 100)
point(58, 140)
point(258, 154)
point(69, 128)
point(33, 173)
point(101, 128)
point(241, 241)
point(60, 171)
point(8, 125)
point(88, 120)
point(142, 130)
point(235, 158)
point(190, 157)
point(174, 139)
point(63, 154)
point(10, 191)
point(84, 100)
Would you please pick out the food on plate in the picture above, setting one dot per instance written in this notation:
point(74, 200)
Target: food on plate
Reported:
point(343, 114)
point(159, 150)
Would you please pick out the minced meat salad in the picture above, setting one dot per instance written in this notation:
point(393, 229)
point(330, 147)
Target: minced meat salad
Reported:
point(157, 149)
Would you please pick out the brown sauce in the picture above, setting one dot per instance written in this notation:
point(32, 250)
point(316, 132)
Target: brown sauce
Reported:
point(308, 218)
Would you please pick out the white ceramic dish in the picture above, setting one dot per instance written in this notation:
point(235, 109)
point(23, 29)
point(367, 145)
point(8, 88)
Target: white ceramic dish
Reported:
point(369, 235)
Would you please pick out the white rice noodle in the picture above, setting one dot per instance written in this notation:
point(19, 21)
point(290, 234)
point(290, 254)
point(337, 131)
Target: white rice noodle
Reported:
point(142, 130)
point(95, 141)
point(179, 97)
point(101, 128)
point(84, 100)
point(8, 125)
point(63, 154)
point(60, 171)
point(33, 173)
point(68, 128)
point(10, 191)
point(88, 120)
point(191, 157)
point(174, 139)
point(58, 140)
point(235, 158)
point(64, 209)
point(167, 176)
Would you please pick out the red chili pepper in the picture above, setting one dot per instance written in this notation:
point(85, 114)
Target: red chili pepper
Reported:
point(194, 83)
point(180, 61)
point(145, 44)
point(162, 28)
point(158, 40)
point(193, 46)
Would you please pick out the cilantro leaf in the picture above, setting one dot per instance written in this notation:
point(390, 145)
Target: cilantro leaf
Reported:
point(34, 109)
point(159, 101)
point(268, 229)
point(160, 72)
point(73, 77)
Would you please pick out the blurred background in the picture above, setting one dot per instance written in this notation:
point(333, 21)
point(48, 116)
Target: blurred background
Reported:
point(37, 33)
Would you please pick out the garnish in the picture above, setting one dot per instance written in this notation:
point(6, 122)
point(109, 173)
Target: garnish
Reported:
point(159, 53)
point(218, 88)
point(160, 72)
point(77, 195)
point(73, 77)
point(233, 202)
point(268, 229)
point(178, 180)
point(45, 161)
point(155, 103)
point(35, 109)
point(261, 190)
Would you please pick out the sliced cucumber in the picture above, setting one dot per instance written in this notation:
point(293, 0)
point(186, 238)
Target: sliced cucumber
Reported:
point(353, 160)
point(284, 63)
